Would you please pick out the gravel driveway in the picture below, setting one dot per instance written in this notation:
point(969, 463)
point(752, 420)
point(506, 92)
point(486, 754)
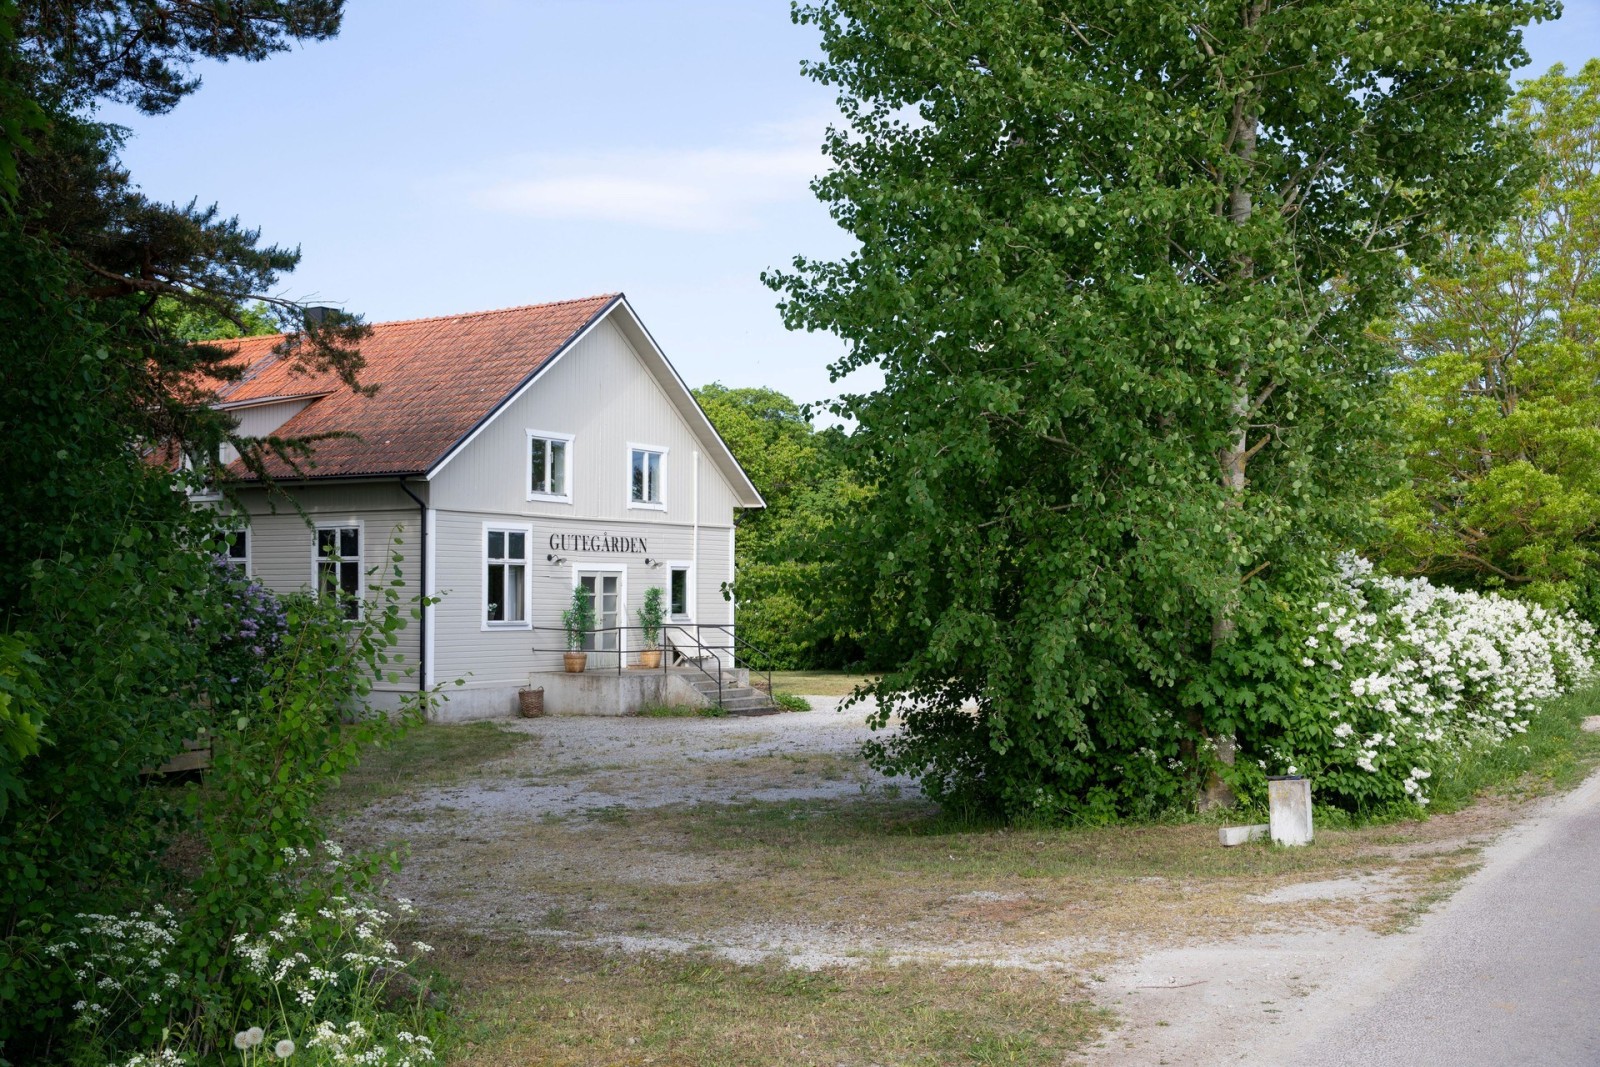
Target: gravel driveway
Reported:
point(581, 764)
point(758, 839)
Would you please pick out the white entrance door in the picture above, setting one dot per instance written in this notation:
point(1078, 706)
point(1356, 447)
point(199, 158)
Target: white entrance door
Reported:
point(604, 591)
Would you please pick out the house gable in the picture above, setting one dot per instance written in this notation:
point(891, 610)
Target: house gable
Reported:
point(619, 316)
point(606, 396)
point(443, 382)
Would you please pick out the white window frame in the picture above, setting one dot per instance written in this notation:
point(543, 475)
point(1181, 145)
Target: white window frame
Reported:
point(361, 561)
point(526, 530)
point(687, 566)
point(621, 570)
point(241, 562)
point(209, 493)
point(566, 474)
point(647, 505)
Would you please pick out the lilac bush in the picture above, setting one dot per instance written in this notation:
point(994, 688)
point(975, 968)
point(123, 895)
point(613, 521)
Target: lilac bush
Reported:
point(257, 622)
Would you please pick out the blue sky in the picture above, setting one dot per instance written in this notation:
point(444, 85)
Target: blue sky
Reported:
point(436, 159)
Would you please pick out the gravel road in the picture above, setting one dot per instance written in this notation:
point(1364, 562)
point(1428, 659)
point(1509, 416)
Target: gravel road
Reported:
point(1508, 972)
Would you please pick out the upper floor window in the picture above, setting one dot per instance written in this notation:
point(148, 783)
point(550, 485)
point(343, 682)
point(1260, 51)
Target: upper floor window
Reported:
point(203, 484)
point(505, 586)
point(549, 466)
point(645, 487)
point(338, 566)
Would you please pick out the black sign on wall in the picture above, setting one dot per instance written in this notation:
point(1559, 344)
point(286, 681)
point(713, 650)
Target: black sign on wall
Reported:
point(602, 542)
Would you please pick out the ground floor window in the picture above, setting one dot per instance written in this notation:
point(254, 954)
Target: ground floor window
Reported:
point(338, 566)
point(505, 584)
point(237, 554)
point(678, 592)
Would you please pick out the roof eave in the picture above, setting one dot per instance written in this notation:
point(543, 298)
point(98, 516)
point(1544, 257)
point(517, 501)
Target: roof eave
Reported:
point(522, 387)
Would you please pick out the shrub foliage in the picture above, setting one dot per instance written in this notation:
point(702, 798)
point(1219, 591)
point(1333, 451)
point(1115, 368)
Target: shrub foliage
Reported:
point(1379, 683)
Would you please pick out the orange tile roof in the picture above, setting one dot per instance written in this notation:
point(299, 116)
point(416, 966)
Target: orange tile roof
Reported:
point(437, 380)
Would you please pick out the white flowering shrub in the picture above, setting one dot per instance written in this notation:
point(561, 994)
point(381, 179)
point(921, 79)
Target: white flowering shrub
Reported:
point(1385, 680)
point(340, 962)
point(324, 984)
point(125, 978)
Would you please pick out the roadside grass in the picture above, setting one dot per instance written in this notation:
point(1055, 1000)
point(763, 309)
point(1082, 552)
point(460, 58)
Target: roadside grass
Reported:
point(552, 1005)
point(1554, 755)
point(814, 683)
point(427, 754)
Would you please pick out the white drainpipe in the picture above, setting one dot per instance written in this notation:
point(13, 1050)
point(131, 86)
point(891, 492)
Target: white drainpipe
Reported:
point(694, 552)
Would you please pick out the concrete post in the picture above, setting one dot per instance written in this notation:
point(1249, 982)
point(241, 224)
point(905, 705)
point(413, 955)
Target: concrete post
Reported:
point(1289, 809)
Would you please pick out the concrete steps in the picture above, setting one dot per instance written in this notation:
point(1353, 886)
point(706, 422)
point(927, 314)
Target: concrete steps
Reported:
point(736, 699)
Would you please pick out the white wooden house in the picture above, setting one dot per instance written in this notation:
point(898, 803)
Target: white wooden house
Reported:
point(506, 457)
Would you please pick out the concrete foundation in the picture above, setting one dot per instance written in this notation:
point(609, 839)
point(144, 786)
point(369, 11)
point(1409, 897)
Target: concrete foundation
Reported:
point(596, 692)
point(588, 693)
point(1233, 836)
point(610, 693)
point(1289, 810)
point(461, 704)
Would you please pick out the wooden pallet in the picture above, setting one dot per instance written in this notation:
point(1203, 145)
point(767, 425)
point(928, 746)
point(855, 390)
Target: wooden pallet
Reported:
point(196, 756)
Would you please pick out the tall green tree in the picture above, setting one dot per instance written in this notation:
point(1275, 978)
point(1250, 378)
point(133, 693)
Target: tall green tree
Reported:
point(110, 608)
point(792, 603)
point(1501, 351)
point(1117, 265)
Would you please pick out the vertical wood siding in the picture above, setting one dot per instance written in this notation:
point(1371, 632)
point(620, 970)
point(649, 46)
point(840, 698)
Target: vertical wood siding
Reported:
point(601, 394)
point(489, 658)
point(281, 546)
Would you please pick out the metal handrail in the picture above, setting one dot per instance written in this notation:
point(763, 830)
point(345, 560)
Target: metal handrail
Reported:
point(692, 629)
point(739, 642)
point(700, 646)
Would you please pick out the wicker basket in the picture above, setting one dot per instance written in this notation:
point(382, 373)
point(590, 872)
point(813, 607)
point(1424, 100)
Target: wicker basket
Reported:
point(530, 703)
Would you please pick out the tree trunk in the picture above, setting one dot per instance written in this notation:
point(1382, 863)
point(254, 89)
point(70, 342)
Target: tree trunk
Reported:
point(1234, 458)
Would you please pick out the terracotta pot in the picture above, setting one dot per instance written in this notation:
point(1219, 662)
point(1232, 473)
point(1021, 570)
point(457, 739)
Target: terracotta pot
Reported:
point(575, 661)
point(650, 658)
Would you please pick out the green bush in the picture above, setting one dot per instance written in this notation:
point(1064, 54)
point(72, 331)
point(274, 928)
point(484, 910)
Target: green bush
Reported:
point(791, 702)
point(326, 984)
point(281, 735)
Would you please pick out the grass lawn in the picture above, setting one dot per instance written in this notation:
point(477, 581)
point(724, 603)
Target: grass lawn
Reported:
point(547, 1005)
point(427, 754)
point(555, 927)
point(813, 683)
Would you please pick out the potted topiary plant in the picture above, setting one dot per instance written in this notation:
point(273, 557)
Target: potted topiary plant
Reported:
point(651, 616)
point(578, 621)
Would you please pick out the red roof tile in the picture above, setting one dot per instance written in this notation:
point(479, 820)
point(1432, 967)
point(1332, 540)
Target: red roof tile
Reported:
point(438, 379)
